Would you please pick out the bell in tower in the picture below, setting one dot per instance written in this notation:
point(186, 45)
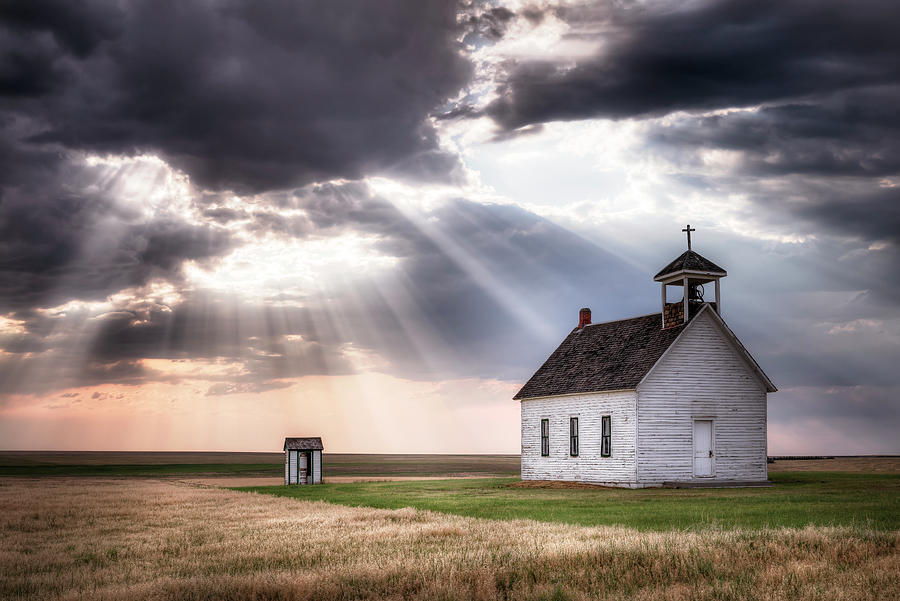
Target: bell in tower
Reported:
point(695, 292)
point(690, 272)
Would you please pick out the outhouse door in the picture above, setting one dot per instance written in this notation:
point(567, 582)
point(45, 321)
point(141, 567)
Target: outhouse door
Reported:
point(302, 469)
point(704, 458)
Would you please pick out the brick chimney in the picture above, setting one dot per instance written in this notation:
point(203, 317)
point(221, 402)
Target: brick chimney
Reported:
point(673, 314)
point(584, 318)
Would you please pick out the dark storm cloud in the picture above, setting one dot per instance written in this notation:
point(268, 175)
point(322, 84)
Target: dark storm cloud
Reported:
point(869, 211)
point(63, 238)
point(866, 210)
point(77, 348)
point(240, 95)
point(332, 207)
point(36, 37)
point(79, 27)
point(848, 134)
point(224, 215)
point(416, 317)
point(825, 162)
point(660, 58)
point(489, 24)
point(535, 262)
point(212, 328)
point(527, 264)
point(243, 95)
point(818, 155)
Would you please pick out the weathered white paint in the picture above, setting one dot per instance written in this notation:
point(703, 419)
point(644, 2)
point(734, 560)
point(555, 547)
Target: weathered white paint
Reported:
point(292, 472)
point(718, 298)
point(662, 315)
point(302, 466)
point(618, 469)
point(702, 375)
point(316, 467)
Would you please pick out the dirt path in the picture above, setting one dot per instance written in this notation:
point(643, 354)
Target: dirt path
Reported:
point(227, 482)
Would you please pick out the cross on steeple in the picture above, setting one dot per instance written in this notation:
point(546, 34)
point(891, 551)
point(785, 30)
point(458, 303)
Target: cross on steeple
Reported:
point(689, 229)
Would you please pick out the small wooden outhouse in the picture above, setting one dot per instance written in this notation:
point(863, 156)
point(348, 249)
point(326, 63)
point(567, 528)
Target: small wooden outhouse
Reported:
point(303, 460)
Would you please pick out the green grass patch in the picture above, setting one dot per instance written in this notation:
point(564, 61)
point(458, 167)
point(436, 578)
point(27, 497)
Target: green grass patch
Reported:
point(797, 499)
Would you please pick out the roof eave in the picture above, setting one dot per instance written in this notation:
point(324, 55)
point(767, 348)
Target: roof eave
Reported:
point(770, 386)
point(315, 443)
point(568, 394)
point(676, 275)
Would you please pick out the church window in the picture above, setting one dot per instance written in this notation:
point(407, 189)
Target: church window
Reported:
point(573, 436)
point(545, 437)
point(605, 436)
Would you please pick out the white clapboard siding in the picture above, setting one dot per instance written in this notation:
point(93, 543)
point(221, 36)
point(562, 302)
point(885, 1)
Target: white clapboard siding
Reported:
point(589, 466)
point(293, 475)
point(317, 467)
point(286, 467)
point(701, 376)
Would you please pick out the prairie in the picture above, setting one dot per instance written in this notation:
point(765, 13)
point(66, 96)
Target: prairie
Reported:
point(132, 538)
point(797, 499)
point(349, 465)
point(118, 463)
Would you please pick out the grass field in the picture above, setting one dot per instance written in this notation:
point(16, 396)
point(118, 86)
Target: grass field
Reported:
point(813, 535)
point(797, 499)
point(102, 463)
point(125, 539)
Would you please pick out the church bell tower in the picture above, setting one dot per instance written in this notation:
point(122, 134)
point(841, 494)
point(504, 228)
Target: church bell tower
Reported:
point(691, 272)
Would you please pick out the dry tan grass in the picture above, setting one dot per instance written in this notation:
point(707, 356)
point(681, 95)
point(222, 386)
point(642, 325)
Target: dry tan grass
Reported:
point(155, 539)
point(881, 465)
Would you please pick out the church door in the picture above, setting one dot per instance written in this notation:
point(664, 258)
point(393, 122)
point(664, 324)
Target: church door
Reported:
point(704, 459)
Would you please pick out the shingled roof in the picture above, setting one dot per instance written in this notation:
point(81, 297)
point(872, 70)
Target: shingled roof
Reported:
point(312, 443)
point(605, 356)
point(689, 261)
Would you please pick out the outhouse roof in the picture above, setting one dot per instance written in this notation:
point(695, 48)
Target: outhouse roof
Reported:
point(311, 443)
point(604, 356)
point(691, 262)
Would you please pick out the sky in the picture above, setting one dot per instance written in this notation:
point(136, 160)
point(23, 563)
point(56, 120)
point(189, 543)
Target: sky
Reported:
point(226, 222)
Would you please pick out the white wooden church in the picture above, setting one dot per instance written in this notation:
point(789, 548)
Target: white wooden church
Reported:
point(671, 398)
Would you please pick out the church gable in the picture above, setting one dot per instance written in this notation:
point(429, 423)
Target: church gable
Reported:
point(712, 326)
point(703, 379)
